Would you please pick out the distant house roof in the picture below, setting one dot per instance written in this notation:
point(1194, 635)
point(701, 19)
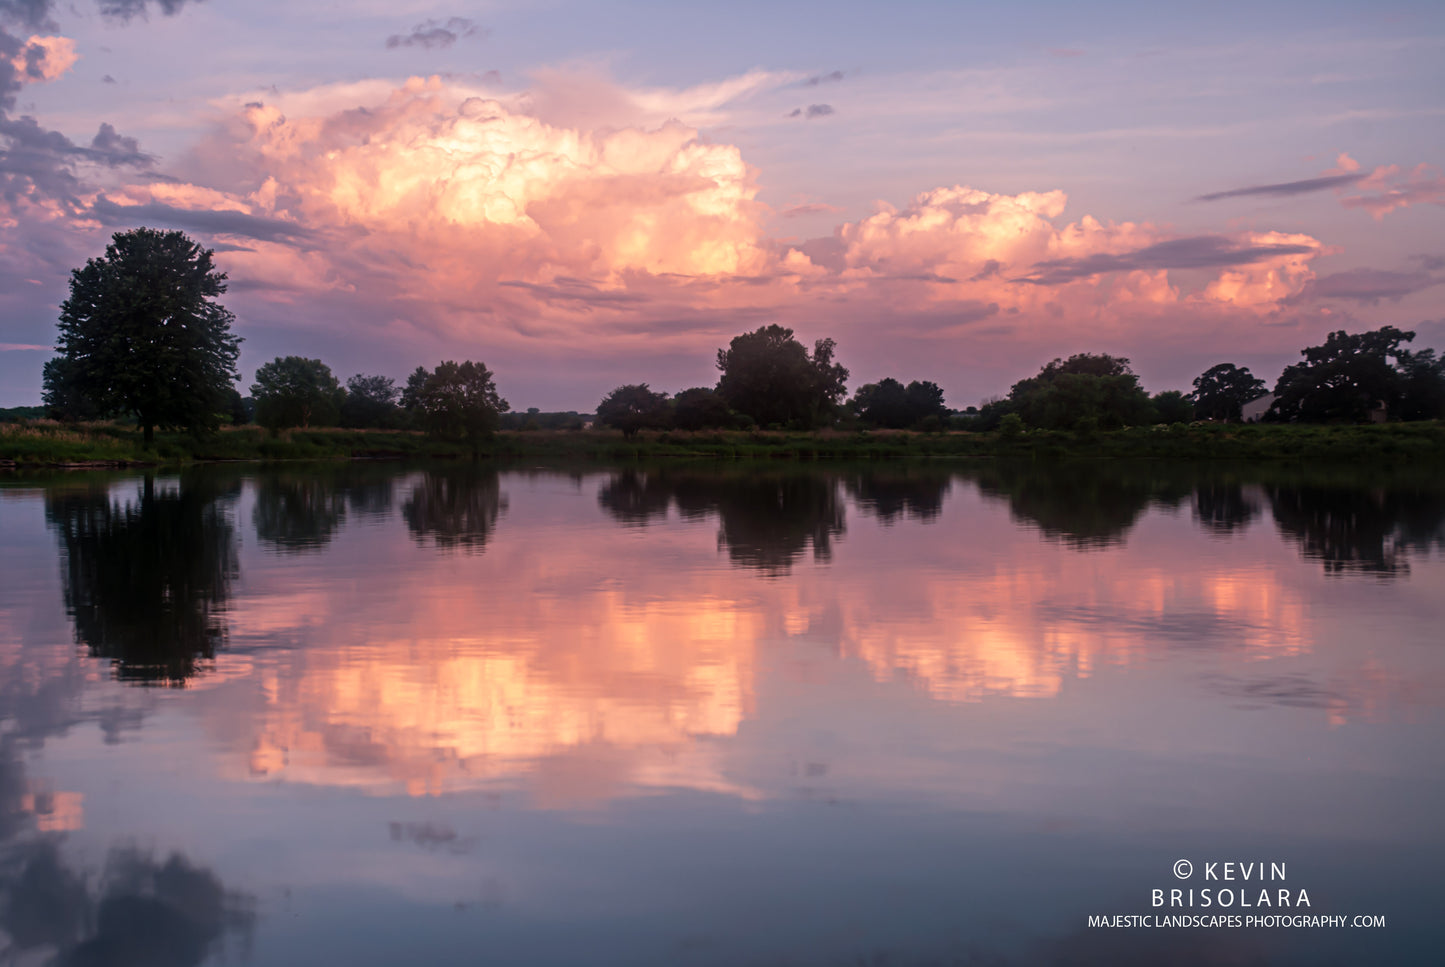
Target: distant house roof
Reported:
point(1252, 411)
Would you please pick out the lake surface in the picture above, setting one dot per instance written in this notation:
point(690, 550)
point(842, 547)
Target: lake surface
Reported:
point(372, 715)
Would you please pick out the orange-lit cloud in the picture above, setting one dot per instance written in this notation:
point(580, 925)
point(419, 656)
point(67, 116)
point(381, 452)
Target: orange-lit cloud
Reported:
point(467, 216)
point(44, 58)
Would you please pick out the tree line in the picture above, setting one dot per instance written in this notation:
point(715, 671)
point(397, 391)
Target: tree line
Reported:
point(142, 335)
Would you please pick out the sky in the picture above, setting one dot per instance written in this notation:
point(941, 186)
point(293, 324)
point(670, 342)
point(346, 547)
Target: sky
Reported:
point(583, 195)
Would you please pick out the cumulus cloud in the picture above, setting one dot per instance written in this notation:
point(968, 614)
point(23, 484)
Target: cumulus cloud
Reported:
point(425, 212)
point(830, 78)
point(436, 34)
point(469, 214)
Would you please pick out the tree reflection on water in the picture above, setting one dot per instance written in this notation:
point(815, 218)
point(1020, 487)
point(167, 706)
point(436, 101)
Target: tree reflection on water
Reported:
point(767, 519)
point(455, 508)
point(147, 577)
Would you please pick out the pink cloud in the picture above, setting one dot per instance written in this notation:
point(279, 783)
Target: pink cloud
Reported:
point(430, 217)
point(1385, 189)
point(45, 58)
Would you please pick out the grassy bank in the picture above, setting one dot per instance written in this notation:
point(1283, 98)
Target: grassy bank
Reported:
point(39, 444)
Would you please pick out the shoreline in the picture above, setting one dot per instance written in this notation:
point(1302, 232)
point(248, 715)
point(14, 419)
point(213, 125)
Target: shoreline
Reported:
point(29, 446)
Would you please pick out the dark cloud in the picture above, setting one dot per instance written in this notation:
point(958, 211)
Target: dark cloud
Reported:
point(126, 10)
point(1195, 252)
point(27, 13)
point(1286, 189)
point(577, 292)
point(990, 270)
point(107, 79)
point(35, 14)
point(436, 34)
point(812, 111)
point(35, 160)
point(115, 150)
point(817, 79)
point(206, 221)
point(1367, 286)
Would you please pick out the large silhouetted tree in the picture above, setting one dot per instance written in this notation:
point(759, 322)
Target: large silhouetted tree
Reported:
point(1085, 387)
point(456, 401)
point(1345, 379)
point(701, 408)
point(370, 402)
point(1221, 391)
point(296, 391)
point(769, 376)
point(888, 403)
point(632, 408)
point(142, 334)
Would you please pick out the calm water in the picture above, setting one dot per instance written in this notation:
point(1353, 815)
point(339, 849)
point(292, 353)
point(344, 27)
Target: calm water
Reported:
point(371, 715)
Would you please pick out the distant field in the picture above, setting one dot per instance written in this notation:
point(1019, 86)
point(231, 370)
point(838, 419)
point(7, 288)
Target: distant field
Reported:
point(45, 443)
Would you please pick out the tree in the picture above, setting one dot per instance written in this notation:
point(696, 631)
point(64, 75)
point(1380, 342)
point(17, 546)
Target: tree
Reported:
point(769, 376)
point(415, 387)
point(1221, 391)
point(631, 408)
point(701, 408)
point(884, 403)
point(370, 402)
point(64, 398)
point(296, 391)
point(891, 404)
point(1422, 397)
point(1172, 406)
point(239, 408)
point(142, 334)
point(1100, 388)
point(1345, 379)
point(457, 401)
